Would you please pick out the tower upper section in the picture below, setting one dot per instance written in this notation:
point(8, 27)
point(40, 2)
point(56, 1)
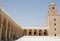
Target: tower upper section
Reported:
point(52, 10)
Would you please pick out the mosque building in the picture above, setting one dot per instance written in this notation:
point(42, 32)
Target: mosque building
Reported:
point(10, 30)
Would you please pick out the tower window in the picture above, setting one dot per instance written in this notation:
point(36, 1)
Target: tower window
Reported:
point(54, 19)
point(52, 7)
point(54, 23)
point(55, 34)
point(55, 29)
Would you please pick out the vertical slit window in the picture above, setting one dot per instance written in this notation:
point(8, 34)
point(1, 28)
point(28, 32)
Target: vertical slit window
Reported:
point(54, 19)
point(55, 34)
point(55, 24)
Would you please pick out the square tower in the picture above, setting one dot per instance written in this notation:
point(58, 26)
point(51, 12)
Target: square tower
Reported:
point(53, 21)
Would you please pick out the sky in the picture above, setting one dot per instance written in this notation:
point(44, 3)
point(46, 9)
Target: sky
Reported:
point(28, 13)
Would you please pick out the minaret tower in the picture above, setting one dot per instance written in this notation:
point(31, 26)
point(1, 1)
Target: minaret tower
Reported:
point(53, 20)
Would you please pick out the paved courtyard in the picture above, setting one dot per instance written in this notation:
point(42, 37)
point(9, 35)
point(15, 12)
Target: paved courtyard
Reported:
point(39, 38)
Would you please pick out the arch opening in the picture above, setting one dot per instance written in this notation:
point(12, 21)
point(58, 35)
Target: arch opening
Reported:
point(35, 32)
point(25, 32)
point(30, 32)
point(40, 32)
point(45, 33)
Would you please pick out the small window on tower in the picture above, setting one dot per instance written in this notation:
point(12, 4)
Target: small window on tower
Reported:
point(55, 29)
point(54, 23)
point(55, 34)
point(54, 19)
point(52, 7)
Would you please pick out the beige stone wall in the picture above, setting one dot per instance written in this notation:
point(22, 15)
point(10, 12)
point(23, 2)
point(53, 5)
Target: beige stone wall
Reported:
point(54, 26)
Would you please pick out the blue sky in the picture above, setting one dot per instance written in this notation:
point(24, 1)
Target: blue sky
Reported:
point(29, 12)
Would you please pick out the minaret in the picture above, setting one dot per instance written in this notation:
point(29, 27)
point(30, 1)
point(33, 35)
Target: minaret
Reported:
point(53, 20)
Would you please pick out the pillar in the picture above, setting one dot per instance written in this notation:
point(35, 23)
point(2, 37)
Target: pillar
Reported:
point(1, 25)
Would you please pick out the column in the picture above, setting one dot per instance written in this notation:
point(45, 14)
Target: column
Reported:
point(6, 28)
point(1, 25)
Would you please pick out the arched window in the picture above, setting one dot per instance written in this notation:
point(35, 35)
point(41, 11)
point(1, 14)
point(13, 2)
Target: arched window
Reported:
point(54, 19)
point(25, 32)
point(35, 32)
point(40, 32)
point(45, 33)
point(30, 32)
point(53, 8)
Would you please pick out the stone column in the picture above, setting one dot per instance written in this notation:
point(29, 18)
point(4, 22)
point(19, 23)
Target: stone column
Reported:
point(12, 34)
point(0, 27)
point(12, 31)
point(32, 32)
point(15, 34)
point(9, 34)
point(6, 30)
point(1, 31)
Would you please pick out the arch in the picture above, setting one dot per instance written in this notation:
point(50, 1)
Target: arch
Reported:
point(25, 32)
point(40, 32)
point(4, 29)
point(35, 31)
point(30, 32)
point(45, 33)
